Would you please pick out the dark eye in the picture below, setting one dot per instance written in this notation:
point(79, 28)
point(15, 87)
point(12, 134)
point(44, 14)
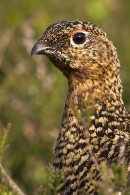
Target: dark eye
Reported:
point(79, 38)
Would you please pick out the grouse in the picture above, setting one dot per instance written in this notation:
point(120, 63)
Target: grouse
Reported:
point(95, 125)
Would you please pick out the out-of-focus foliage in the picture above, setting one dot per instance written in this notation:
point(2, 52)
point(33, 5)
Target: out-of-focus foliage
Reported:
point(32, 90)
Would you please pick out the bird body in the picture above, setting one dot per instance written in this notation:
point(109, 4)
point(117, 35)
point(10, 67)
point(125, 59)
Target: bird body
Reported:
point(95, 125)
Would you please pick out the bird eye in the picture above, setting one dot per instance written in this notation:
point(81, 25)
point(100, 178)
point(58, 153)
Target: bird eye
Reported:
point(79, 38)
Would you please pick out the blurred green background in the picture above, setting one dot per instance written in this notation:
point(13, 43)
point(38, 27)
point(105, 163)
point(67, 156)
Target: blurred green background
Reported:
point(32, 90)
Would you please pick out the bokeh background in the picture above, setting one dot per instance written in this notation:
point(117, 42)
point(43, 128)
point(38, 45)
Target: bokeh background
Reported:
point(32, 90)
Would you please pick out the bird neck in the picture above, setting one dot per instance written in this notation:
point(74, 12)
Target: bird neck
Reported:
point(93, 96)
point(91, 91)
point(94, 112)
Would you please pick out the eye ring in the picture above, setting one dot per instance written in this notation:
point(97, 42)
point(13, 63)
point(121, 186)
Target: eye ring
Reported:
point(79, 38)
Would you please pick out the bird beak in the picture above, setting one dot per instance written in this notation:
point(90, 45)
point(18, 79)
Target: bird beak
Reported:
point(41, 49)
point(38, 49)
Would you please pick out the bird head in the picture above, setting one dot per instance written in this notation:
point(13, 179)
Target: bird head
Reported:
point(78, 48)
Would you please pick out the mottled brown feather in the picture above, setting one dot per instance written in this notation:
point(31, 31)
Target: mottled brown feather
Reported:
point(95, 125)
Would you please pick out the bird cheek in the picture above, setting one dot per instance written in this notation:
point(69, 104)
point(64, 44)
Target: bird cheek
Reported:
point(59, 60)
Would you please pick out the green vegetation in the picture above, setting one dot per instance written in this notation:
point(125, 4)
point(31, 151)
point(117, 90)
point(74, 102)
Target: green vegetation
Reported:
point(33, 91)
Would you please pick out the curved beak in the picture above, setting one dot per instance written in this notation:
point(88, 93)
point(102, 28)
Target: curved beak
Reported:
point(38, 49)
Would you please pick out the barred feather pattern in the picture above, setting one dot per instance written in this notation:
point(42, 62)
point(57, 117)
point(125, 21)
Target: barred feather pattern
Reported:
point(95, 125)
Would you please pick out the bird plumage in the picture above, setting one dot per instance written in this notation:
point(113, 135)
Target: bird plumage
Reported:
point(95, 125)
